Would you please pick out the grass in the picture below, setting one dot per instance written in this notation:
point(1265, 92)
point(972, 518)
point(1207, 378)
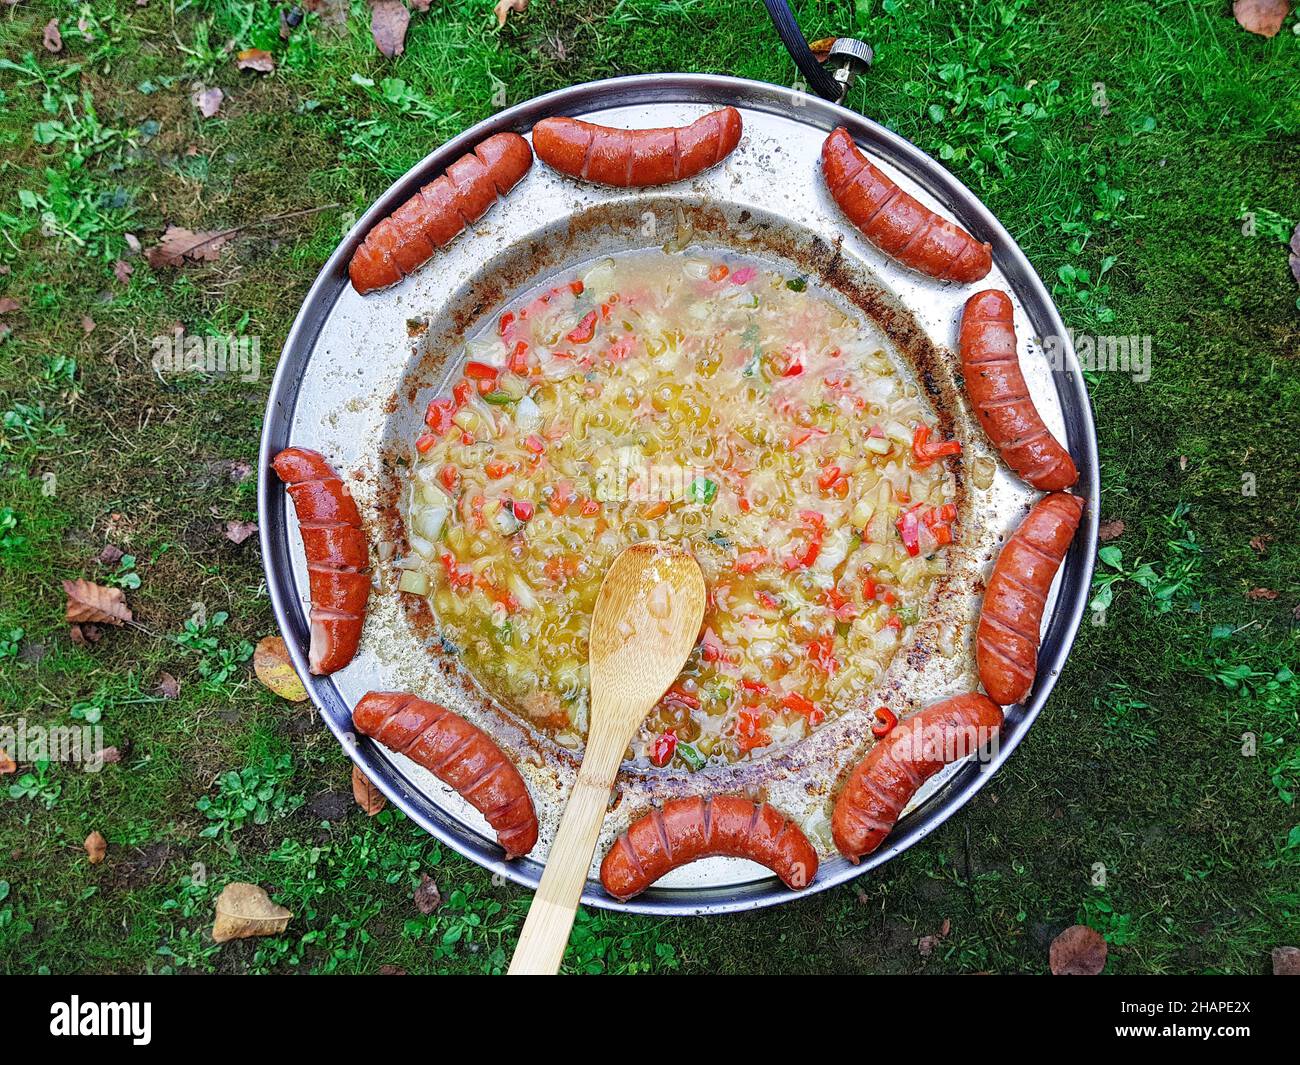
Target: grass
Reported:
point(1144, 154)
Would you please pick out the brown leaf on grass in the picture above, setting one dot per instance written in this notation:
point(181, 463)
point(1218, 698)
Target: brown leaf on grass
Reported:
point(7, 764)
point(52, 38)
point(391, 970)
point(274, 669)
point(132, 242)
point(1286, 961)
point(505, 7)
point(88, 601)
point(110, 756)
point(87, 324)
point(123, 271)
point(111, 555)
point(1264, 17)
point(427, 896)
point(1294, 257)
point(179, 246)
point(388, 22)
point(368, 797)
point(1261, 593)
point(9, 304)
point(239, 531)
point(245, 910)
point(1259, 544)
point(821, 48)
point(168, 686)
point(96, 847)
point(85, 635)
point(1111, 530)
point(208, 101)
point(1078, 951)
point(258, 59)
point(420, 5)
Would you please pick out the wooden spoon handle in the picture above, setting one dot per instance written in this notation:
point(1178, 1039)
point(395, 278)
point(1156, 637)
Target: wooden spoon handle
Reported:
point(550, 917)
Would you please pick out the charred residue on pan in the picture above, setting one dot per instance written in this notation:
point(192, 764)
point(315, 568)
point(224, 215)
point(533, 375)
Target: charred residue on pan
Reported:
point(609, 228)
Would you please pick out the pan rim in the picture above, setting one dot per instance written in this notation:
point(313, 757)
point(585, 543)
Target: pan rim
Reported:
point(718, 90)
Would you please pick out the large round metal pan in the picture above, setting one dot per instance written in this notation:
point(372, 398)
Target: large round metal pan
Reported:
point(347, 358)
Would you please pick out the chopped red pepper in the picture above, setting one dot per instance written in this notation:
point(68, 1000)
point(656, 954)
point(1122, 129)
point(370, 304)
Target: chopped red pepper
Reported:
point(518, 361)
point(439, 414)
point(884, 723)
point(425, 441)
point(755, 686)
point(561, 498)
point(588, 508)
point(821, 653)
point(910, 531)
point(496, 469)
point(584, 331)
point(481, 371)
point(768, 600)
point(523, 510)
point(748, 733)
point(461, 392)
point(458, 576)
point(749, 561)
point(504, 324)
point(799, 705)
point(828, 477)
point(719, 272)
point(924, 453)
point(868, 588)
point(661, 753)
point(449, 476)
point(675, 694)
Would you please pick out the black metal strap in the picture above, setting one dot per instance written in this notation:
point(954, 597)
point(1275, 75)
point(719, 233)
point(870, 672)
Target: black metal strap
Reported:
point(819, 79)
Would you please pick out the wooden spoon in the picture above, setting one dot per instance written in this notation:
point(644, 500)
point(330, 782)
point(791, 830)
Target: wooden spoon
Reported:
point(647, 619)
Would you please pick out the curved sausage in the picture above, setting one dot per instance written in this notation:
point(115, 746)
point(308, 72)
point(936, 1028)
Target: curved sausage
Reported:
point(1006, 642)
point(687, 829)
point(896, 223)
point(337, 555)
point(883, 783)
point(627, 158)
point(459, 754)
point(429, 220)
point(996, 387)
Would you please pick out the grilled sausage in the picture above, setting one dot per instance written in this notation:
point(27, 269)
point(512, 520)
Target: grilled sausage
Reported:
point(687, 829)
point(997, 390)
point(459, 754)
point(883, 783)
point(627, 158)
point(1006, 642)
point(429, 220)
point(896, 223)
point(337, 555)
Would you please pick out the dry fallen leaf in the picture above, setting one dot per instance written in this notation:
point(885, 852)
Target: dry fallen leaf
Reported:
point(1294, 257)
point(87, 324)
point(420, 5)
point(1261, 593)
point(255, 59)
point(110, 756)
point(821, 48)
point(8, 304)
point(7, 764)
point(123, 271)
point(274, 669)
point(168, 686)
point(1259, 544)
point(178, 246)
point(111, 555)
point(427, 896)
point(368, 797)
point(85, 635)
point(88, 601)
point(245, 910)
point(239, 531)
point(208, 101)
point(1264, 17)
point(505, 7)
point(1111, 530)
point(96, 847)
point(391, 970)
point(1078, 951)
point(1286, 961)
point(388, 22)
point(53, 38)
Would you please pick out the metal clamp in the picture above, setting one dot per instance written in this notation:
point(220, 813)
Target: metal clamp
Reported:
point(854, 56)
